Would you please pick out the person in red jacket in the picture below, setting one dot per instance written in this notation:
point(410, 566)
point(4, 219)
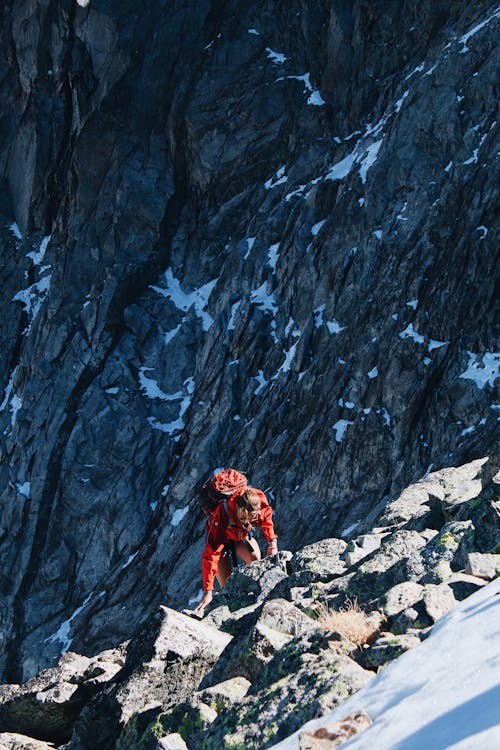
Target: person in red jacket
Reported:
point(230, 526)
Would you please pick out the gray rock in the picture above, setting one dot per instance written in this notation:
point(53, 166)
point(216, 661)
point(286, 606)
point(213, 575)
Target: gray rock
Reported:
point(49, 704)
point(282, 616)
point(385, 648)
point(225, 693)
point(438, 600)
point(164, 665)
point(319, 562)
point(463, 585)
point(304, 680)
point(14, 741)
point(483, 566)
point(411, 619)
point(172, 742)
point(400, 597)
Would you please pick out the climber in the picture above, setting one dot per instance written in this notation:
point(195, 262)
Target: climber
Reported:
point(229, 528)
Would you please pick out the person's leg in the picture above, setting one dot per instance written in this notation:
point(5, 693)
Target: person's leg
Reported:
point(248, 551)
point(224, 567)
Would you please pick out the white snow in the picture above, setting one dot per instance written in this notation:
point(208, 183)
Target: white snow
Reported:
point(483, 369)
point(153, 391)
point(273, 256)
point(340, 427)
point(465, 38)
point(418, 69)
point(318, 316)
point(334, 327)
point(433, 344)
point(314, 99)
point(16, 231)
point(38, 256)
point(400, 101)
point(24, 488)
point(377, 233)
point(15, 405)
point(250, 243)
point(289, 355)
point(169, 335)
point(261, 382)
point(62, 634)
point(277, 57)
point(178, 515)
point(444, 694)
point(8, 389)
point(264, 300)
point(129, 560)
point(484, 231)
point(232, 317)
point(368, 159)
point(184, 300)
point(316, 227)
point(32, 298)
point(373, 374)
point(413, 303)
point(83, 3)
point(410, 333)
point(254, 31)
point(342, 168)
point(278, 178)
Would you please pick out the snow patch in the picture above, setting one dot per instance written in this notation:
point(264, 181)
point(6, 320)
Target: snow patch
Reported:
point(264, 300)
point(315, 229)
point(16, 231)
point(273, 256)
point(278, 58)
point(183, 301)
point(410, 333)
point(465, 38)
point(178, 515)
point(483, 369)
point(340, 428)
point(334, 327)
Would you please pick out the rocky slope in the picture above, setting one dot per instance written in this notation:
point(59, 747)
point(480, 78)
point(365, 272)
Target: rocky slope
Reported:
point(268, 657)
point(259, 235)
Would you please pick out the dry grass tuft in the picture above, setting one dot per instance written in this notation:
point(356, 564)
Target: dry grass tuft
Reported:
point(350, 621)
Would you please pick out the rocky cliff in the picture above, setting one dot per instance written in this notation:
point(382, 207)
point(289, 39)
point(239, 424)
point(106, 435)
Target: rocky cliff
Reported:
point(250, 234)
point(288, 639)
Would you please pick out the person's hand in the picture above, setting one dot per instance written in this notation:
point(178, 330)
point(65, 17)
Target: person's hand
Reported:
point(273, 547)
point(205, 601)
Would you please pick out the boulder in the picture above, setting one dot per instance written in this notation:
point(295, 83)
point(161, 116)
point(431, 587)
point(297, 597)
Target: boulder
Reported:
point(164, 665)
point(438, 600)
point(172, 742)
point(305, 679)
point(225, 693)
point(400, 597)
point(385, 648)
point(48, 705)
point(320, 561)
point(14, 741)
point(485, 566)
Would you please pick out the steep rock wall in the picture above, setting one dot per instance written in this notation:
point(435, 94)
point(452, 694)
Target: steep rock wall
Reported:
point(259, 235)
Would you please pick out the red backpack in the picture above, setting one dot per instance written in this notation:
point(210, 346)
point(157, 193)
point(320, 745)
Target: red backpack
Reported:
point(219, 487)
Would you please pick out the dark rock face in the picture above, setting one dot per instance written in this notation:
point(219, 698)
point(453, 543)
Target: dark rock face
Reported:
point(253, 236)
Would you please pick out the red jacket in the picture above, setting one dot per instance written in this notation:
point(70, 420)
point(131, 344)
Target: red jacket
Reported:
point(223, 529)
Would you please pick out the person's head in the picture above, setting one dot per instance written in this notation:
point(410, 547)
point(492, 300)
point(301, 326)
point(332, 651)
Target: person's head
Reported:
point(248, 507)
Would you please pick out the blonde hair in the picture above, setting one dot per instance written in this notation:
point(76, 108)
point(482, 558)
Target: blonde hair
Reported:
point(249, 500)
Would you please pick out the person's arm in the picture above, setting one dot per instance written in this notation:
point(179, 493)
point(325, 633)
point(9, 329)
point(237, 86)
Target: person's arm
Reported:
point(267, 526)
point(209, 563)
